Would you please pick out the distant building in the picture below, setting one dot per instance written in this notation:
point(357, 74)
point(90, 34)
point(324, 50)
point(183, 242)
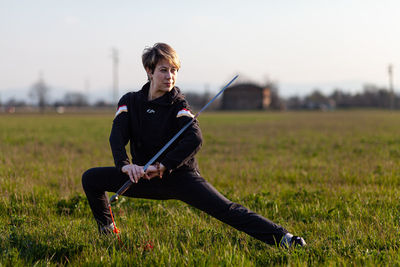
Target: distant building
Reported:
point(246, 96)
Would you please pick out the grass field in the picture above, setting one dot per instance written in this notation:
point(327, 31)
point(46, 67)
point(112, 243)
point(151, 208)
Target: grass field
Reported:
point(331, 177)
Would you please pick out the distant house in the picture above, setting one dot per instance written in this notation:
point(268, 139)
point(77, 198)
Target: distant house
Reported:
point(246, 96)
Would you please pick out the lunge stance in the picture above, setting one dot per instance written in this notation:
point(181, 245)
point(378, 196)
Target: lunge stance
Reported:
point(148, 119)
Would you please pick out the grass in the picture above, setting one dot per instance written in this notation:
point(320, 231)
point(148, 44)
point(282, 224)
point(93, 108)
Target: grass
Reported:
point(331, 177)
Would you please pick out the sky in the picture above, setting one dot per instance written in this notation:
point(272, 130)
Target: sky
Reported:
point(300, 45)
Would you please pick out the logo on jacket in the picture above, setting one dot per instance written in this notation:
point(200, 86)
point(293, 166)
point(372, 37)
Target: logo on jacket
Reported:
point(150, 111)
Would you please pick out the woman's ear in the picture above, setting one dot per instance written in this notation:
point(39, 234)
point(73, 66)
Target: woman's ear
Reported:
point(149, 74)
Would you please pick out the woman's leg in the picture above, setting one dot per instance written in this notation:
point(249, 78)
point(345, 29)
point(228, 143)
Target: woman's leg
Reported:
point(196, 191)
point(97, 181)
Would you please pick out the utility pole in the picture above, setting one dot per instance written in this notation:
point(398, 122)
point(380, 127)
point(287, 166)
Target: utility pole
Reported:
point(391, 88)
point(115, 74)
point(86, 85)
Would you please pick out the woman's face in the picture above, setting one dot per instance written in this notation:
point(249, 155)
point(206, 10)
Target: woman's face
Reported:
point(163, 79)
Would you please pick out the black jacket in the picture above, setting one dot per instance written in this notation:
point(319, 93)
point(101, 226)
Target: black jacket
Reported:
point(149, 125)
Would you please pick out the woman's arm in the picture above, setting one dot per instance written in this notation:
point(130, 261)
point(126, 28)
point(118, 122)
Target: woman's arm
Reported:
point(119, 136)
point(188, 144)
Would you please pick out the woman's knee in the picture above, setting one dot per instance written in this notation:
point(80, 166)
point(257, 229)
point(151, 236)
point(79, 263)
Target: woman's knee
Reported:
point(87, 177)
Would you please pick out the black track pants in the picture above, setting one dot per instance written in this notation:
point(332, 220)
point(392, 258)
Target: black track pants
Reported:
point(186, 186)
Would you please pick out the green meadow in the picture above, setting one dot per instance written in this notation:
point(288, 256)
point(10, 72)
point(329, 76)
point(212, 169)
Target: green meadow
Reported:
point(331, 177)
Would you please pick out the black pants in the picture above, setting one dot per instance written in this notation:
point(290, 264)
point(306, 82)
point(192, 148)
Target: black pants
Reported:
point(186, 186)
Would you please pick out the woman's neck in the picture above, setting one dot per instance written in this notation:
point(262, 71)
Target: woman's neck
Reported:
point(153, 93)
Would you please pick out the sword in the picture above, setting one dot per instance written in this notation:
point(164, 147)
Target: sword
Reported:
point(129, 183)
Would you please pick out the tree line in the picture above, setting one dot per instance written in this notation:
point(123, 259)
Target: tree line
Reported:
point(372, 96)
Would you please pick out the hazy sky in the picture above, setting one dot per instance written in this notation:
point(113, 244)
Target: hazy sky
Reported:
point(300, 44)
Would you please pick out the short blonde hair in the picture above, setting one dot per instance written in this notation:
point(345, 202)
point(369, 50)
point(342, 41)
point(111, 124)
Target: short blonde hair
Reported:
point(152, 55)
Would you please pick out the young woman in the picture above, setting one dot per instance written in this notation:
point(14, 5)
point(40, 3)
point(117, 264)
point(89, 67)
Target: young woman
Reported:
point(148, 119)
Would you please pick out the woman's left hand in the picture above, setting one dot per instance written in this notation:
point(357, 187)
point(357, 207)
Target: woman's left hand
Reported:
point(155, 170)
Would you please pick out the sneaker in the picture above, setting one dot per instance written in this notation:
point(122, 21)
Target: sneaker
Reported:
point(107, 229)
point(297, 241)
point(289, 241)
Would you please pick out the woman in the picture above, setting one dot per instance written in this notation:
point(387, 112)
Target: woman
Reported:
point(148, 119)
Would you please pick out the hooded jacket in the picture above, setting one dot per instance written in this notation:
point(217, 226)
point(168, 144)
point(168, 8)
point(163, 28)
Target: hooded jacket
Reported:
point(149, 125)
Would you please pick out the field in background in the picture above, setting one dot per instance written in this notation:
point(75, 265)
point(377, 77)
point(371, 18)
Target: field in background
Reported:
point(331, 177)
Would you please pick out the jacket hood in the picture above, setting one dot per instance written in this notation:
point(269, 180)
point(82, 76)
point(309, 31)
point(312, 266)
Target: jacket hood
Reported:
point(166, 100)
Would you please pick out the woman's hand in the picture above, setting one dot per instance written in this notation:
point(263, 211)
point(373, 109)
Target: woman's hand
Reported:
point(156, 170)
point(134, 172)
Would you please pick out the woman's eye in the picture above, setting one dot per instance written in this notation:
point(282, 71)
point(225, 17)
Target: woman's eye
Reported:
point(166, 69)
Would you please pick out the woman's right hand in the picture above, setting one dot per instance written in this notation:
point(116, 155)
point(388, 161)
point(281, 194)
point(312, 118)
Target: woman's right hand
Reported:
point(134, 172)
